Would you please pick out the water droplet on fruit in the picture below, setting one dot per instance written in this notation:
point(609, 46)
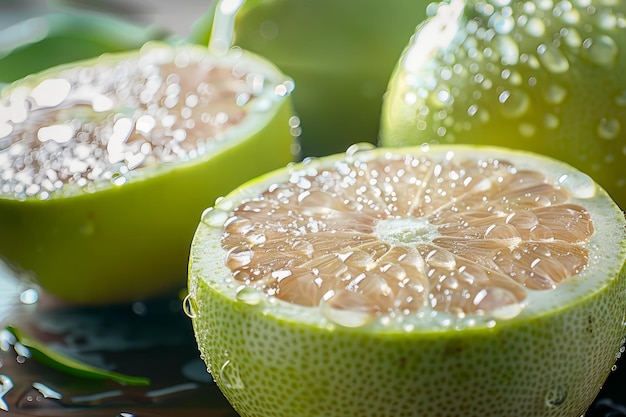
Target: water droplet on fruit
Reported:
point(535, 27)
point(346, 309)
point(229, 375)
point(551, 121)
point(213, 217)
point(250, 295)
point(239, 257)
point(556, 397)
point(552, 59)
point(508, 49)
point(566, 12)
point(190, 306)
point(514, 103)
point(29, 296)
point(51, 92)
point(606, 19)
point(354, 150)
point(578, 184)
point(502, 22)
point(554, 93)
point(441, 259)
point(609, 128)
point(601, 50)
point(571, 37)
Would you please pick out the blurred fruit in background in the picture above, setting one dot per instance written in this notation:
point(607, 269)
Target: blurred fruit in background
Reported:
point(339, 53)
point(548, 77)
point(53, 38)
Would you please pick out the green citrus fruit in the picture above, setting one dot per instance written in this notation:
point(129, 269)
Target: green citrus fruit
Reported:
point(450, 281)
point(107, 164)
point(339, 53)
point(544, 76)
point(52, 39)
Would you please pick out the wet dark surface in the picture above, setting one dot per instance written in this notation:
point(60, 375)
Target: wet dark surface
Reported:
point(152, 339)
point(149, 339)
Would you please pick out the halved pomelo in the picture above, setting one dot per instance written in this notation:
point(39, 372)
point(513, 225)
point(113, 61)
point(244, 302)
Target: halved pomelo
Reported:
point(543, 76)
point(442, 281)
point(106, 164)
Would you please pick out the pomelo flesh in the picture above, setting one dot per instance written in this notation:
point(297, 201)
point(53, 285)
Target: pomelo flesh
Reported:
point(452, 281)
point(106, 164)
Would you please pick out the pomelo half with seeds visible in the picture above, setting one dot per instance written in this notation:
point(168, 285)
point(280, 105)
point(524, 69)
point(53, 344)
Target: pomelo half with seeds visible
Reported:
point(544, 76)
point(106, 164)
point(448, 281)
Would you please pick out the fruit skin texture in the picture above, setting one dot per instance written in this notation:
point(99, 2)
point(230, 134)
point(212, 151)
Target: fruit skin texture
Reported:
point(130, 242)
point(550, 81)
point(282, 360)
point(339, 53)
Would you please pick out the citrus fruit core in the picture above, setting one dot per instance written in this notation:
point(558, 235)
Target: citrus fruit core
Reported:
point(462, 236)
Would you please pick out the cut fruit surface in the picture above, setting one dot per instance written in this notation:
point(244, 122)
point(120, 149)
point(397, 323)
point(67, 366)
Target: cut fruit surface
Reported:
point(440, 281)
point(106, 164)
point(548, 77)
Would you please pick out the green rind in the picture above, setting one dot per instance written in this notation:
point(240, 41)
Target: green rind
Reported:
point(130, 242)
point(280, 368)
point(272, 363)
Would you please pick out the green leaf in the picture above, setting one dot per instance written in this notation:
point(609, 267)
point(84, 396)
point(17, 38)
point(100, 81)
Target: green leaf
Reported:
point(67, 364)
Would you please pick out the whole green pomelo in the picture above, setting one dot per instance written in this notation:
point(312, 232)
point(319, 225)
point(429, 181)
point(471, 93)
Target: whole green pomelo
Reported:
point(544, 76)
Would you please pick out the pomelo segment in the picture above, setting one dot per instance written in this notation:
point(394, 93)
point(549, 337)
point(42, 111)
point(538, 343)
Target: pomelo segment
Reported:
point(106, 164)
point(439, 281)
point(547, 77)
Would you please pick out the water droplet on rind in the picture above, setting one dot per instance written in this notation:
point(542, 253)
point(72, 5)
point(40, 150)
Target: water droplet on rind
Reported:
point(358, 148)
point(601, 50)
point(229, 375)
point(190, 306)
point(214, 218)
point(249, 295)
point(29, 296)
point(556, 397)
point(579, 184)
point(514, 103)
point(609, 128)
point(552, 59)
